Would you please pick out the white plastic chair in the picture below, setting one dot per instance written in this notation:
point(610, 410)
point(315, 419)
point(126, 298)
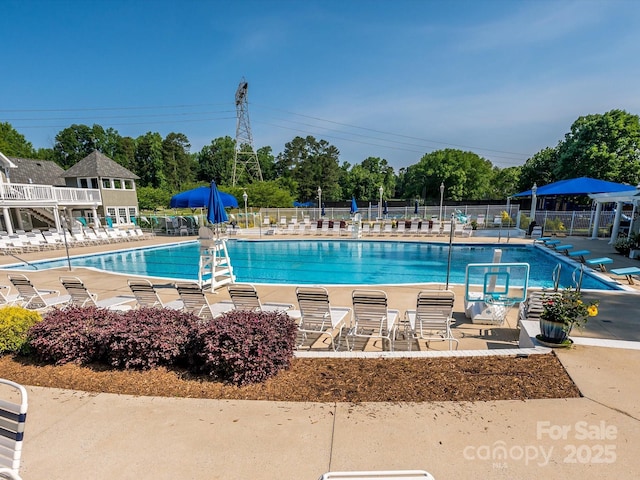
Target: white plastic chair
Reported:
point(81, 297)
point(13, 416)
point(318, 316)
point(372, 318)
point(31, 298)
point(245, 297)
point(432, 318)
point(379, 475)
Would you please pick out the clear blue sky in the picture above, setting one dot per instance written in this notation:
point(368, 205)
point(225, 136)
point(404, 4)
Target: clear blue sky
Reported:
point(394, 79)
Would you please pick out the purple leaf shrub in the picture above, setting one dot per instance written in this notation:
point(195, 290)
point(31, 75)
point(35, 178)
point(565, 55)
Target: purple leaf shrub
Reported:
point(244, 347)
point(70, 335)
point(147, 338)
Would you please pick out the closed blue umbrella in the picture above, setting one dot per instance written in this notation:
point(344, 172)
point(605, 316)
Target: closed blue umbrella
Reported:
point(322, 214)
point(385, 208)
point(415, 208)
point(354, 206)
point(215, 207)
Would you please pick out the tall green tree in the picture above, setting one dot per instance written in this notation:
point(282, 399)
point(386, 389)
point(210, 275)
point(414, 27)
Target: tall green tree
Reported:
point(267, 163)
point(148, 161)
point(604, 146)
point(505, 182)
point(312, 163)
point(538, 169)
point(177, 163)
point(215, 161)
point(77, 141)
point(365, 179)
point(13, 143)
point(466, 176)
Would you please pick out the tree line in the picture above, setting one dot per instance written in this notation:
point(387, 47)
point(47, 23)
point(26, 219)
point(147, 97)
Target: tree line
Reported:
point(604, 146)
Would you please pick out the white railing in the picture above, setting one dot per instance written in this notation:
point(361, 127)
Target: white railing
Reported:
point(20, 194)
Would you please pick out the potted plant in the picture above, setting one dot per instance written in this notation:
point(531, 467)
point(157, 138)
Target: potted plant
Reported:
point(561, 312)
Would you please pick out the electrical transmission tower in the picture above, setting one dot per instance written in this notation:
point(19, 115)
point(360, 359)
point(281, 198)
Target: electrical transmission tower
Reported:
point(245, 157)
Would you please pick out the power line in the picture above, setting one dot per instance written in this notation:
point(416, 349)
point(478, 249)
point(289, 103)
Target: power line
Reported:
point(92, 109)
point(395, 134)
point(395, 142)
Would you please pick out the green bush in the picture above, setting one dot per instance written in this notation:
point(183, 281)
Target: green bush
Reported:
point(554, 225)
point(15, 322)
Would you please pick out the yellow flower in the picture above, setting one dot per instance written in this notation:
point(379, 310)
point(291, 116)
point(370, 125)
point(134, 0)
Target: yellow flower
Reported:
point(593, 310)
point(579, 302)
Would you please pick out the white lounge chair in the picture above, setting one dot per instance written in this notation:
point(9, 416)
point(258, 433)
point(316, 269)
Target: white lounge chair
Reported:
point(81, 297)
point(432, 318)
point(462, 230)
point(31, 298)
point(379, 475)
point(372, 318)
point(7, 299)
point(102, 235)
point(317, 316)
point(196, 302)
point(245, 297)
point(147, 296)
point(13, 415)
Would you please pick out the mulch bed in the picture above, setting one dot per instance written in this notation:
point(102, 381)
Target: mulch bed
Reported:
point(329, 380)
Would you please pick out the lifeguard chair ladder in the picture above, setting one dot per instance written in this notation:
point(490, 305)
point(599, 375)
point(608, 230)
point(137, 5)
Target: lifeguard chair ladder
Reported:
point(215, 268)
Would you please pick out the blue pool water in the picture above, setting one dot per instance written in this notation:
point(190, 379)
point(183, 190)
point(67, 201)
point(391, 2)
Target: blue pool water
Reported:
point(331, 262)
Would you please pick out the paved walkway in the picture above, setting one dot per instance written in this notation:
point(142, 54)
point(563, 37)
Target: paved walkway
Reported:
point(75, 435)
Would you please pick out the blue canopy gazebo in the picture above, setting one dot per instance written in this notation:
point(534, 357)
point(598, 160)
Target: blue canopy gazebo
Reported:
point(576, 186)
point(579, 186)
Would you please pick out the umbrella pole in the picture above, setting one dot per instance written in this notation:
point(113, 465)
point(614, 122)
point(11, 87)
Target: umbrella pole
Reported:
point(450, 248)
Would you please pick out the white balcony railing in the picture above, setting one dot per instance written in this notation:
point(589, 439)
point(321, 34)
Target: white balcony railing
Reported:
point(20, 195)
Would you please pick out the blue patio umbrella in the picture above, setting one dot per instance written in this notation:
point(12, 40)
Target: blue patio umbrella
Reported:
point(322, 214)
point(215, 207)
point(385, 209)
point(199, 198)
point(415, 208)
point(354, 206)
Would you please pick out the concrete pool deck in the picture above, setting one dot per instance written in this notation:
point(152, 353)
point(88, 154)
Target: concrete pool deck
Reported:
point(76, 435)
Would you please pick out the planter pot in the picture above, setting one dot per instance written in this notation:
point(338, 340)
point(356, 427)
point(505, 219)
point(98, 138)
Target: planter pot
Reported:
point(553, 332)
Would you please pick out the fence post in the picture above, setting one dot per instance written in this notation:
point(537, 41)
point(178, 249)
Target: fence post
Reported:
point(573, 217)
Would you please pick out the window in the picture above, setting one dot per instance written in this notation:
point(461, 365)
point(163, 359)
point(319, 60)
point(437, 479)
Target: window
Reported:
point(106, 183)
point(94, 183)
point(117, 183)
point(82, 183)
point(128, 184)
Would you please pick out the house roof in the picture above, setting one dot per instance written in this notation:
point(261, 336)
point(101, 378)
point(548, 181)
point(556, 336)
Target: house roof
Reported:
point(97, 164)
point(44, 172)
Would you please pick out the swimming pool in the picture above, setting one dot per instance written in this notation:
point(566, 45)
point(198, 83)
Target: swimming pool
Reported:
point(337, 262)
